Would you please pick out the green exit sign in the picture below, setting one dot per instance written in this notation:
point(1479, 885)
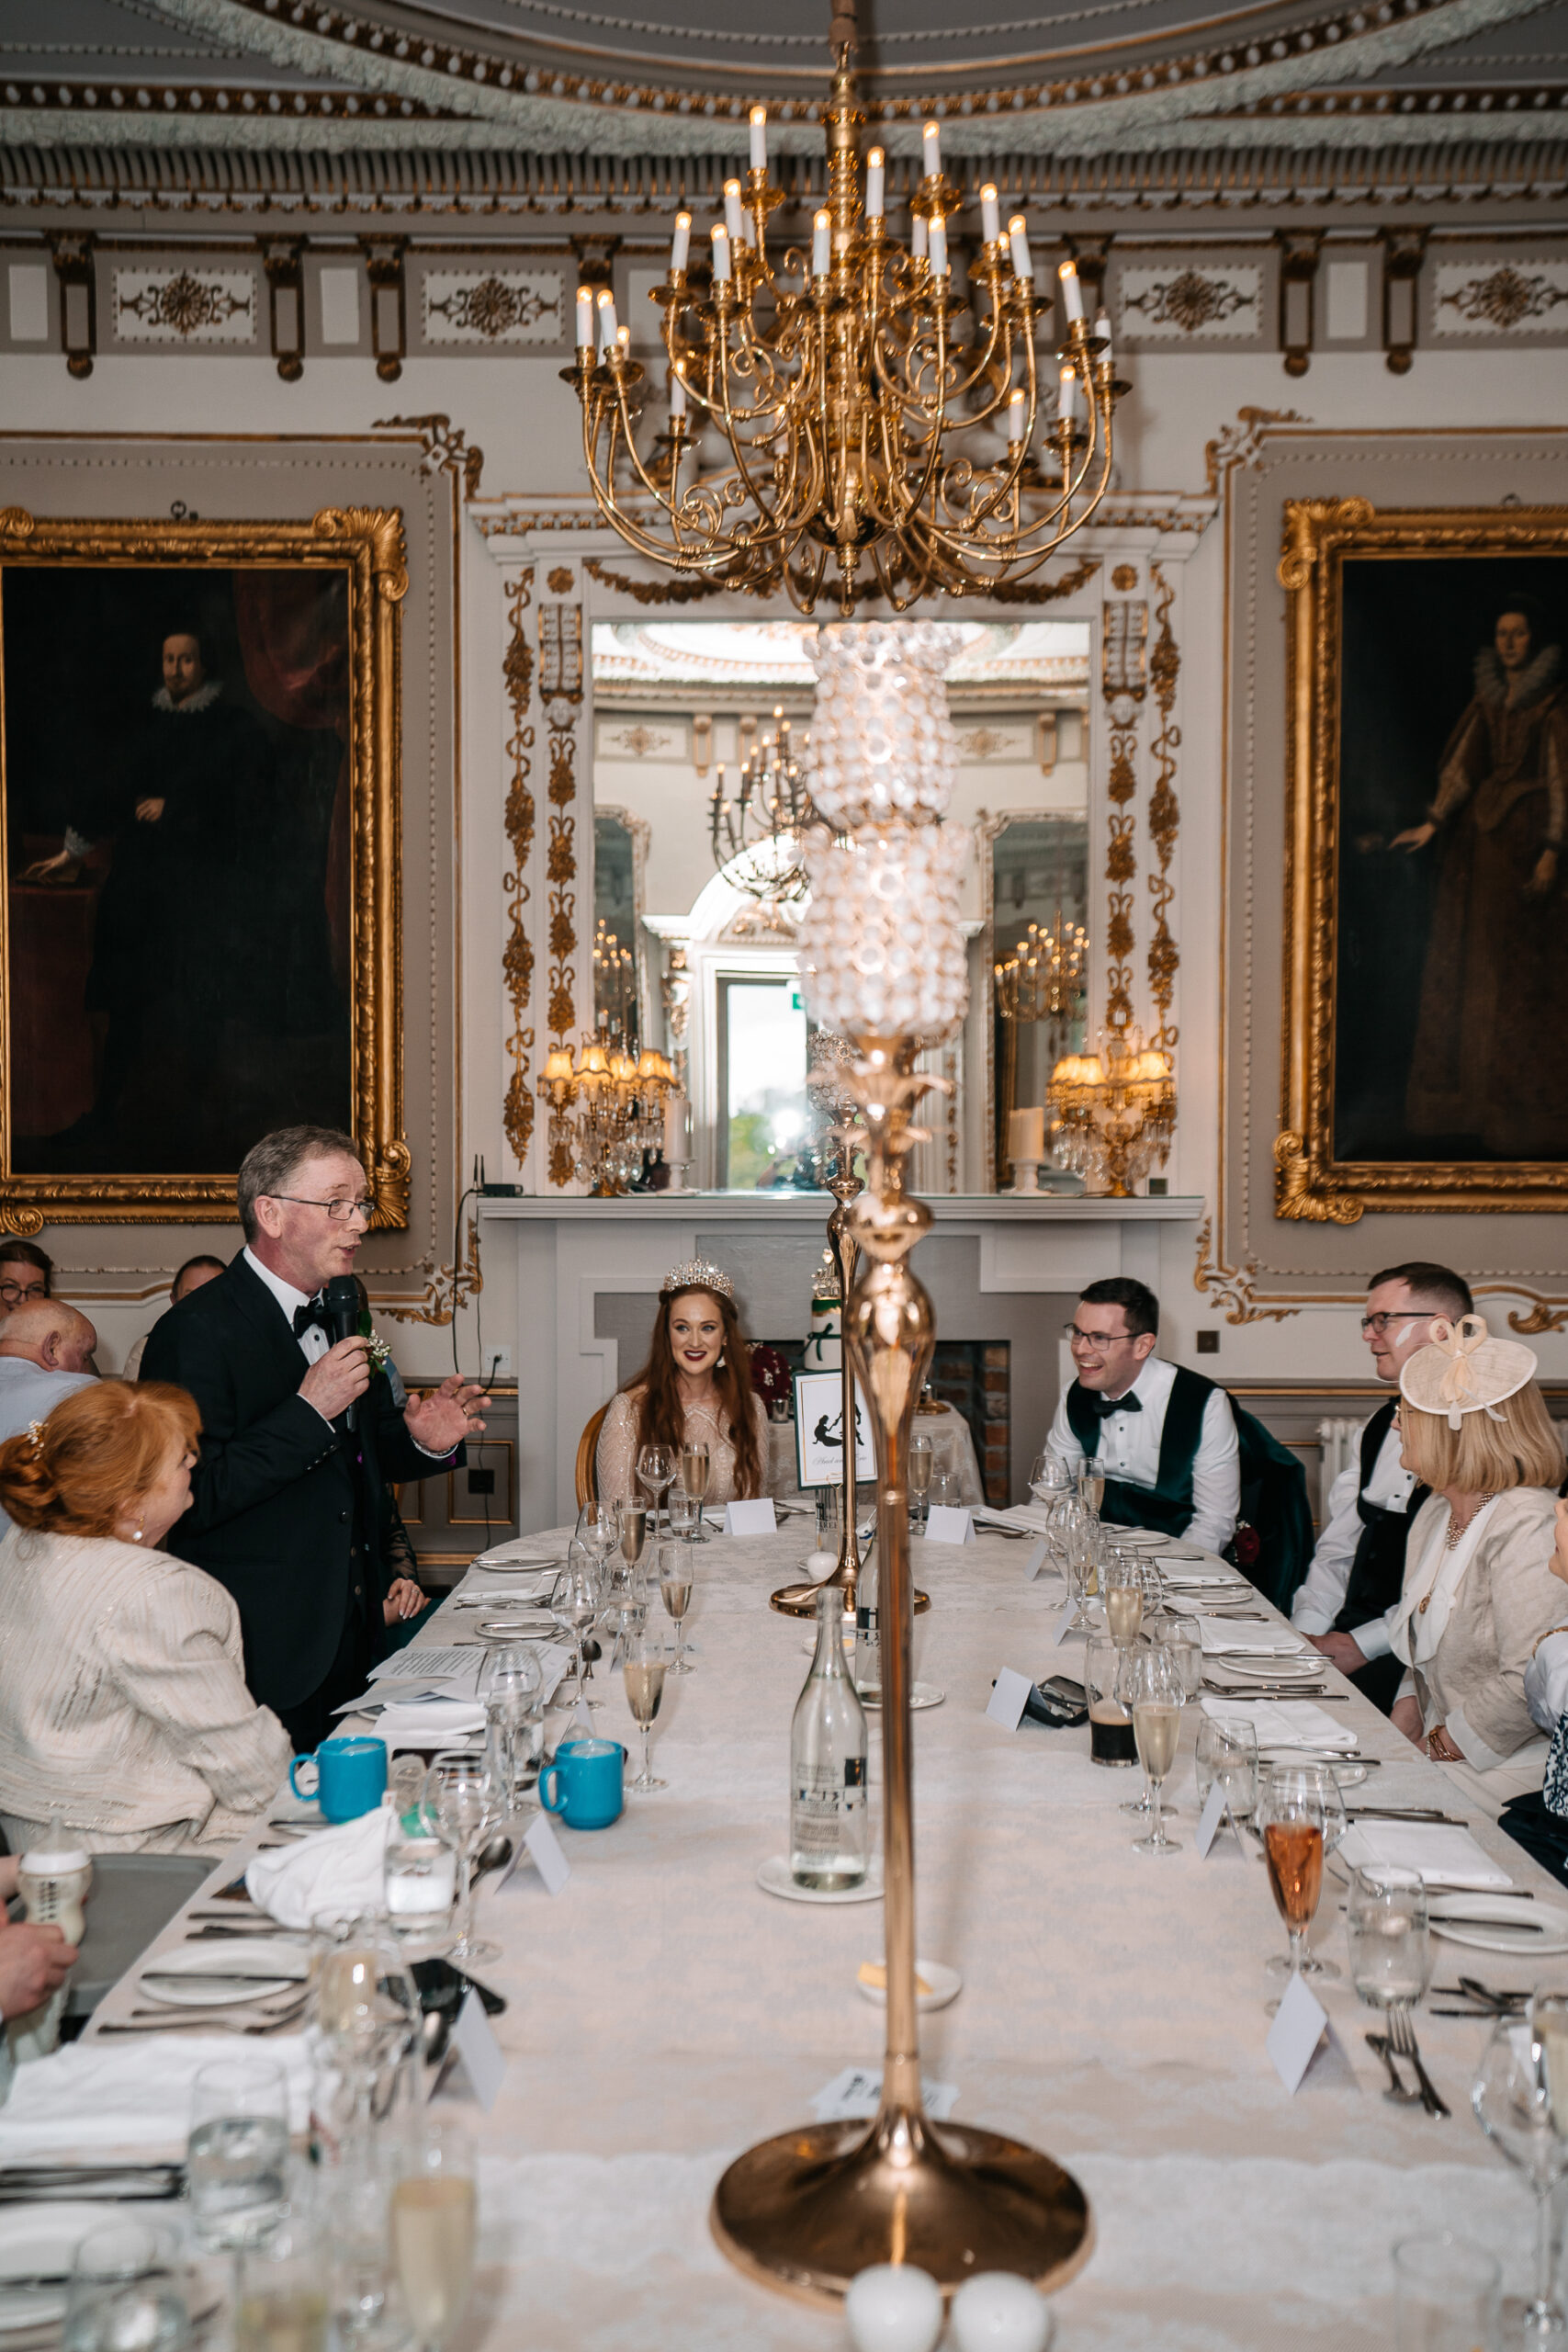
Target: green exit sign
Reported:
point(795, 1003)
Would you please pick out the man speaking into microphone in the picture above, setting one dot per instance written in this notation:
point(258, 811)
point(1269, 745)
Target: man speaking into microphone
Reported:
point(298, 1437)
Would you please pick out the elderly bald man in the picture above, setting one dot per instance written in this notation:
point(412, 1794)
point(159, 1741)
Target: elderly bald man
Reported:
point(45, 1347)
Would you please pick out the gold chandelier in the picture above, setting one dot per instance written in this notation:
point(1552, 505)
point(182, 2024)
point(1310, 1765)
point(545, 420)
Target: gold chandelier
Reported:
point(756, 837)
point(850, 407)
point(607, 1113)
point(1114, 1113)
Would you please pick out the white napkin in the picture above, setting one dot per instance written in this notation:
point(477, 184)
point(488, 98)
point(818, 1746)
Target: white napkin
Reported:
point(1035, 1516)
point(1236, 1633)
point(1284, 1723)
point(524, 1552)
point(335, 1873)
point(427, 1723)
point(1444, 1856)
point(132, 2095)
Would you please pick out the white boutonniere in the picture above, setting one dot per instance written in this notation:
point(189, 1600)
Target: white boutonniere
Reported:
point(376, 1348)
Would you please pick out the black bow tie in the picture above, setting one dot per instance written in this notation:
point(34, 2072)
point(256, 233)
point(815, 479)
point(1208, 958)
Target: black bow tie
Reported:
point(311, 1317)
point(1106, 1406)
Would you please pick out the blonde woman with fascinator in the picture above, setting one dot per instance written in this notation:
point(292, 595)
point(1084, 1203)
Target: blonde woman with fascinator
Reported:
point(695, 1388)
point(1479, 1592)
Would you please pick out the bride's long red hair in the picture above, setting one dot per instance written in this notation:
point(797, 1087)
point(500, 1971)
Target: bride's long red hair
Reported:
point(657, 1390)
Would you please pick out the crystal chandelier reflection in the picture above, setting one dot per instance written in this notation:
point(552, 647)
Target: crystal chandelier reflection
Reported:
point(1042, 979)
point(1114, 1113)
point(851, 418)
point(755, 836)
point(615, 983)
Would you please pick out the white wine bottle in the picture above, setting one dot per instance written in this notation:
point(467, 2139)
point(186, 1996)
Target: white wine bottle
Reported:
point(868, 1633)
point(829, 1827)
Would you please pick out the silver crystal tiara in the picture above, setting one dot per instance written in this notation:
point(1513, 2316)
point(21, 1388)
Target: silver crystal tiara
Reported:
point(697, 1274)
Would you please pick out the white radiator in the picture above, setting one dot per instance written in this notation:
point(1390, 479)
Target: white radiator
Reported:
point(1338, 1439)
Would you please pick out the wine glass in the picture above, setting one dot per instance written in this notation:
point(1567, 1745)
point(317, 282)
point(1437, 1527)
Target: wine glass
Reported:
point(1156, 1689)
point(511, 1688)
point(575, 1607)
point(1446, 2293)
point(128, 2286)
point(655, 1468)
point(434, 2213)
point(692, 1470)
point(644, 1666)
point(367, 2011)
point(681, 1514)
point(1179, 1636)
point(1520, 2097)
point(463, 1803)
point(675, 1591)
point(1302, 1814)
point(1227, 1752)
point(922, 1466)
point(1385, 1926)
point(599, 1526)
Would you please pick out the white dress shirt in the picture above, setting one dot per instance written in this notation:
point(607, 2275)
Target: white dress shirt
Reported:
point(313, 1343)
point(1323, 1589)
point(1129, 1450)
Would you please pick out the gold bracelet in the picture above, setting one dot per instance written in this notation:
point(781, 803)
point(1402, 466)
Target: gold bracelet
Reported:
point(1546, 1636)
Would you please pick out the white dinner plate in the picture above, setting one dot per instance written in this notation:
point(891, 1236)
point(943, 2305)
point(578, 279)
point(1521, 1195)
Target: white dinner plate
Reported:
point(202, 1976)
point(1497, 1922)
point(41, 2238)
point(773, 1878)
point(946, 1984)
point(922, 1694)
point(1271, 1666)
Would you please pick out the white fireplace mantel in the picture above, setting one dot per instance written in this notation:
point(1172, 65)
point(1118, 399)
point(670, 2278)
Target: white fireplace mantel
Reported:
point(570, 1250)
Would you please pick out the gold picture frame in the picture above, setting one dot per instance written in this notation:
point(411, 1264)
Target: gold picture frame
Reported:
point(1317, 1177)
point(366, 546)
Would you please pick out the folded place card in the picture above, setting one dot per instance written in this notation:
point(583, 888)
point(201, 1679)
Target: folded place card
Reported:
point(945, 1523)
point(1216, 1812)
point(1034, 1563)
point(1063, 1625)
point(1300, 2031)
point(1008, 1699)
point(474, 2043)
point(544, 1853)
point(857, 2092)
point(750, 1519)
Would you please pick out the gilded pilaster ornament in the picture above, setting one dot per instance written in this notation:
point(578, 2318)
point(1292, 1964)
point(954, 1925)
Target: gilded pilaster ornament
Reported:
point(445, 447)
point(446, 1290)
point(1231, 1286)
point(518, 963)
point(1238, 443)
point(1123, 670)
point(1295, 1198)
point(653, 592)
point(1165, 812)
point(560, 688)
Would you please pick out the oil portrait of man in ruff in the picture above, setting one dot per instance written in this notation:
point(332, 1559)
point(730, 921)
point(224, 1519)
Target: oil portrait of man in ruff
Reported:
point(1452, 947)
point(177, 840)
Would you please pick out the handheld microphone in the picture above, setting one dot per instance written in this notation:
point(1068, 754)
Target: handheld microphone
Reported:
point(341, 1299)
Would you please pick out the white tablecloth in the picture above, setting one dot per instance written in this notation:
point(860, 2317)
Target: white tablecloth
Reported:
point(952, 1449)
point(665, 2013)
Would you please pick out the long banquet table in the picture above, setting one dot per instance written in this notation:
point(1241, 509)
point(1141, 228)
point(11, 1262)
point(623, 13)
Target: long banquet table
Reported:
point(665, 2012)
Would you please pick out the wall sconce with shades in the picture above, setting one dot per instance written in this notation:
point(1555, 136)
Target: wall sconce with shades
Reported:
point(1114, 1113)
point(608, 1110)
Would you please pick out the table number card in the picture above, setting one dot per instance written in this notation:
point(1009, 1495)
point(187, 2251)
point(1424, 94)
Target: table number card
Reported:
point(857, 2092)
point(474, 2043)
point(750, 1519)
point(1008, 1699)
point(1063, 1625)
point(945, 1523)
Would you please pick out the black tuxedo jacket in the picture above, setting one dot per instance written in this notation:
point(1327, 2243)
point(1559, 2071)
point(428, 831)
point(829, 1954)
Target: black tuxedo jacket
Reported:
point(285, 1507)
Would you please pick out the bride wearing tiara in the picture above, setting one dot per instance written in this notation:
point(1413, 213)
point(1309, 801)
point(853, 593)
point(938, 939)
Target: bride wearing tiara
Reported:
point(694, 1389)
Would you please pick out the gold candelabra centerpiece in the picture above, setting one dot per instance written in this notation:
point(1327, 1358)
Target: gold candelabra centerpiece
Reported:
point(883, 962)
point(756, 835)
point(1114, 1113)
point(608, 1110)
point(849, 417)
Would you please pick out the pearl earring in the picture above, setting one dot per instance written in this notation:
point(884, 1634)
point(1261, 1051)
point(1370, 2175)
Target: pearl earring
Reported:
point(136, 1533)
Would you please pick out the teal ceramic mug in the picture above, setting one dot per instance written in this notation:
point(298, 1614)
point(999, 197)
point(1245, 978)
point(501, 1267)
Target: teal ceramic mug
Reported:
point(350, 1777)
point(584, 1784)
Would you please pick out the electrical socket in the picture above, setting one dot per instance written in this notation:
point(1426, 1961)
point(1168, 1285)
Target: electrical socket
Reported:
point(498, 1363)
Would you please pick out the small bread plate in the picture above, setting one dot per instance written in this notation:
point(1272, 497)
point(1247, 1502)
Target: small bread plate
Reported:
point(1348, 1770)
point(773, 1878)
point(1273, 1666)
point(532, 1563)
point(934, 1985)
point(518, 1625)
point(922, 1694)
point(1497, 1922)
point(209, 1976)
point(40, 2241)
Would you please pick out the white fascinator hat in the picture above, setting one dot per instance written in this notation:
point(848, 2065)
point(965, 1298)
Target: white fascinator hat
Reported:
point(1462, 1370)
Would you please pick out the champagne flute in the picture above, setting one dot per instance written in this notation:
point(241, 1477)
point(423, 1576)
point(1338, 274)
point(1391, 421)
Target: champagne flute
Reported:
point(462, 1802)
point(675, 1591)
point(1520, 2098)
point(433, 2222)
point(922, 1464)
point(1124, 1608)
point(1155, 1682)
point(1074, 1537)
point(1091, 1487)
point(655, 1468)
point(508, 1688)
point(693, 1473)
point(633, 1531)
point(1302, 1814)
point(645, 1662)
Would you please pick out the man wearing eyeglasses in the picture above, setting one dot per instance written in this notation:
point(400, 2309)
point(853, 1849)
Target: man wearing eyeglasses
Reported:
point(285, 1497)
point(1166, 1437)
point(1358, 1567)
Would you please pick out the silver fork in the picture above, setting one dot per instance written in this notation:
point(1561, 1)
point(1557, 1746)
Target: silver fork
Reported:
point(1402, 2034)
point(1396, 2087)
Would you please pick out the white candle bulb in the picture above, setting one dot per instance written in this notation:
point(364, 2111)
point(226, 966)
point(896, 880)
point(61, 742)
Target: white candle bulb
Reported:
point(681, 244)
point(931, 140)
point(1065, 402)
point(584, 315)
point(919, 236)
point(990, 214)
point(821, 244)
point(677, 394)
point(720, 254)
point(624, 342)
point(606, 317)
point(1018, 238)
point(1072, 292)
point(758, 139)
point(874, 184)
point(732, 210)
point(1017, 407)
point(1103, 329)
point(938, 246)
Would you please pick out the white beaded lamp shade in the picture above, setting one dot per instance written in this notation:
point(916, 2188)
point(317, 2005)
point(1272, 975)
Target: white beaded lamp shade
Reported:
point(881, 950)
point(882, 742)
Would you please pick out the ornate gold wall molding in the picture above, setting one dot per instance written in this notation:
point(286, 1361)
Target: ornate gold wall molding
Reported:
point(653, 592)
point(560, 689)
point(1124, 668)
point(449, 1288)
point(1231, 1286)
point(1165, 809)
point(517, 962)
point(445, 445)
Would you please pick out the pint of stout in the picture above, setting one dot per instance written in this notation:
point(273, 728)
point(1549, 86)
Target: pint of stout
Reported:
point(1111, 1737)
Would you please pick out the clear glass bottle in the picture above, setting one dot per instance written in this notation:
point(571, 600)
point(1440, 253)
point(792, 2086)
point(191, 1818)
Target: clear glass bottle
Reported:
point(868, 1631)
point(830, 1825)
